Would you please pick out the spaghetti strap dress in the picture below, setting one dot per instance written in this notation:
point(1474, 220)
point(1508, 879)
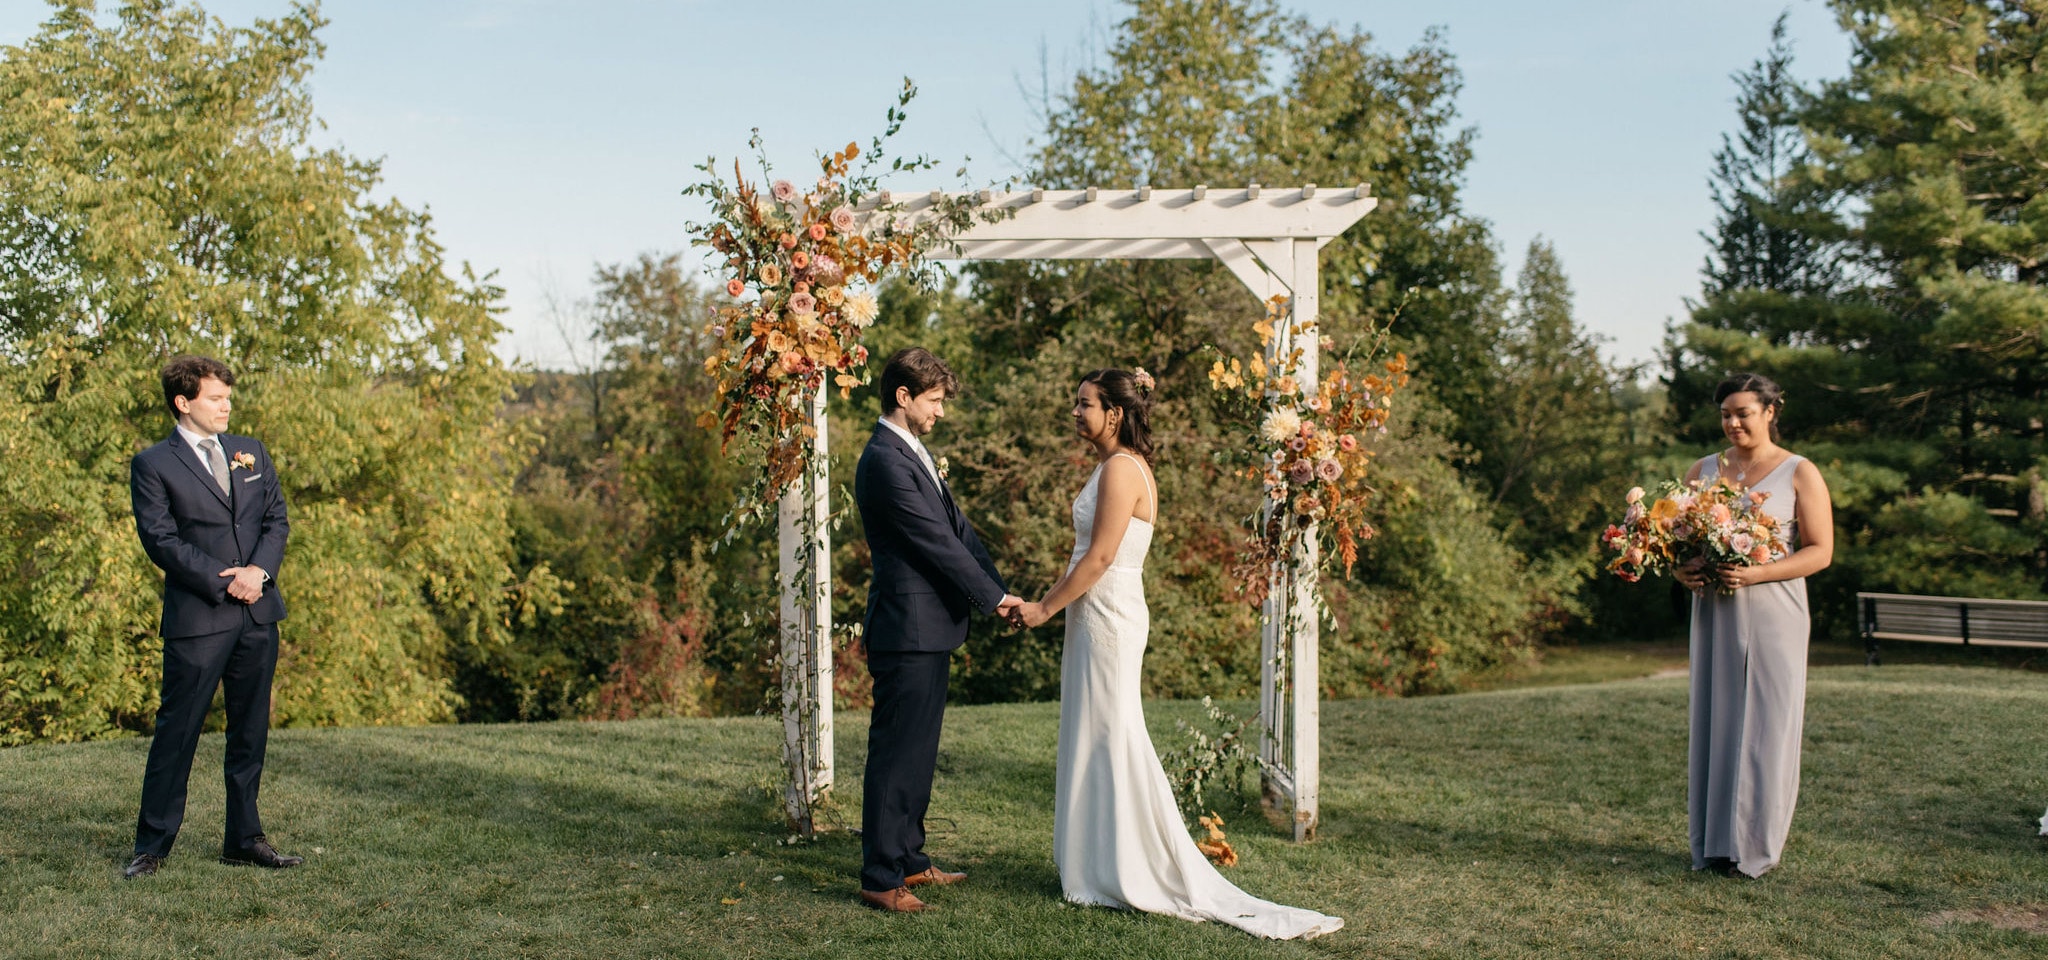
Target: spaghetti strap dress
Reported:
point(1748, 704)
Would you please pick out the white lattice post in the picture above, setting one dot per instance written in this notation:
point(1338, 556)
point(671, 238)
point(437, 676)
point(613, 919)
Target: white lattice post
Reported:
point(1275, 784)
point(806, 633)
point(1304, 723)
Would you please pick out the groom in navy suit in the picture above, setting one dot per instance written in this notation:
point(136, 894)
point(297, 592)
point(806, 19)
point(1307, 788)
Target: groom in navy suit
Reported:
point(211, 515)
point(930, 575)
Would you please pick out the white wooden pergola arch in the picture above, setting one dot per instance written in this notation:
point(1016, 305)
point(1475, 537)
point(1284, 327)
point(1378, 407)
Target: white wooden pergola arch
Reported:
point(1270, 240)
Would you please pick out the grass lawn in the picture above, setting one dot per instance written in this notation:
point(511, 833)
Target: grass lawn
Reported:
point(1544, 822)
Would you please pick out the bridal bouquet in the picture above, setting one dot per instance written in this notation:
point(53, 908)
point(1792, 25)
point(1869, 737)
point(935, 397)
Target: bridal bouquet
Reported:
point(1711, 523)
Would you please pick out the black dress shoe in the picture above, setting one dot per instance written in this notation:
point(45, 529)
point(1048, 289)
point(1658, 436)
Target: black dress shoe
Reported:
point(143, 865)
point(260, 854)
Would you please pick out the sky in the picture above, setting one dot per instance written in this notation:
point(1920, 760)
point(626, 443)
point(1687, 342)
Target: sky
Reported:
point(548, 137)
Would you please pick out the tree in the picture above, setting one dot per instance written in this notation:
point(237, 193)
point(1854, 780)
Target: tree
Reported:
point(622, 496)
point(1559, 436)
point(1225, 92)
point(160, 194)
point(1933, 137)
point(1916, 382)
point(1764, 227)
point(1773, 267)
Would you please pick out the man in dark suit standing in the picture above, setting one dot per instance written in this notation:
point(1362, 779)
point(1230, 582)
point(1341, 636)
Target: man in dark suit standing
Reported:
point(930, 574)
point(211, 515)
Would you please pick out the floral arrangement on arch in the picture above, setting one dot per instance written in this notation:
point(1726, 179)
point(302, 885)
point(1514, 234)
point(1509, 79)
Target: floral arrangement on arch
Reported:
point(1310, 450)
point(801, 266)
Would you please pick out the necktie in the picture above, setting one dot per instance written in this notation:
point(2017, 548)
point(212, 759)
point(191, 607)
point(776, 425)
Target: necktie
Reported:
point(215, 462)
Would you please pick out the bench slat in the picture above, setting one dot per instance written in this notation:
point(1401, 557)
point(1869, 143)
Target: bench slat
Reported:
point(1941, 619)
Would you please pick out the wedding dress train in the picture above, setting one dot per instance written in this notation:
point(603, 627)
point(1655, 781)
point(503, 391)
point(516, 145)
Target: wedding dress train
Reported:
point(1118, 837)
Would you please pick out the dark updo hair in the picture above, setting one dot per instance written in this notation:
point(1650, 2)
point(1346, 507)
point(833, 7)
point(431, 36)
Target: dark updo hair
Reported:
point(1120, 390)
point(1767, 393)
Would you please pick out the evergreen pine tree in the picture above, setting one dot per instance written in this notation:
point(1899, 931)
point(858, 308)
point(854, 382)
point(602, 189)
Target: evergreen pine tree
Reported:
point(1761, 239)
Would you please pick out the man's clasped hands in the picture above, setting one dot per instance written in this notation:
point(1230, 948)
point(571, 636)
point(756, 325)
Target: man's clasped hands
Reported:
point(1021, 613)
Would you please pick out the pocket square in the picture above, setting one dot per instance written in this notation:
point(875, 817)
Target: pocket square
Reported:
point(252, 479)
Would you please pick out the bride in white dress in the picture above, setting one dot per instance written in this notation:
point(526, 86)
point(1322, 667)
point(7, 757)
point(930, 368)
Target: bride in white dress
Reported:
point(1118, 837)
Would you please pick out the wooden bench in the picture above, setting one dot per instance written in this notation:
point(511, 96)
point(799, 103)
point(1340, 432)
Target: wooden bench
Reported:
point(1996, 623)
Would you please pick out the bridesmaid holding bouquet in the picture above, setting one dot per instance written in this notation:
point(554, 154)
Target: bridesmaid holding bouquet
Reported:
point(1749, 641)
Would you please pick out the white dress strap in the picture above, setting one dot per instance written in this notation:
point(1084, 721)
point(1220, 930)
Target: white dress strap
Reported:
point(1149, 485)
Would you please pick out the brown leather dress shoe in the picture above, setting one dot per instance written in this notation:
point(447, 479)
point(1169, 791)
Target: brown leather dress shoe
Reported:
point(933, 875)
point(260, 854)
point(899, 900)
point(143, 865)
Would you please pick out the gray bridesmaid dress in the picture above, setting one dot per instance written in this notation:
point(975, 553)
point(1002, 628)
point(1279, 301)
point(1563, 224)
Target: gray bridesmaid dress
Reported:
point(1748, 705)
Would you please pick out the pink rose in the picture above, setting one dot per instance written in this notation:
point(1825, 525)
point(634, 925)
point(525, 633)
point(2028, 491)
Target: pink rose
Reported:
point(1298, 444)
point(842, 219)
point(1347, 443)
point(1635, 494)
point(1741, 543)
point(1301, 472)
point(783, 190)
point(1329, 470)
point(803, 303)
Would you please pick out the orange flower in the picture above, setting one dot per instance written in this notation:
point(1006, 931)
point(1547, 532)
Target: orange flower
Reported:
point(817, 231)
point(734, 287)
point(799, 259)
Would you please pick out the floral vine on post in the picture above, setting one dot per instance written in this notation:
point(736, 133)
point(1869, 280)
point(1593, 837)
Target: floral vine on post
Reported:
point(801, 265)
point(1310, 451)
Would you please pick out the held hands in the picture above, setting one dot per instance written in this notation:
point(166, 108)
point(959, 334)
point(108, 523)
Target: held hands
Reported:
point(247, 585)
point(1028, 615)
point(1008, 607)
point(1691, 575)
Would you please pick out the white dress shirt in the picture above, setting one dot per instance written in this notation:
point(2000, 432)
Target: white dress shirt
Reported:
point(917, 445)
point(193, 438)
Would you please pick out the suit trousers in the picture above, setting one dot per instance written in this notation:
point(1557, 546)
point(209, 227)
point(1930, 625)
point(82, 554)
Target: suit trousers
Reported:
point(903, 750)
point(242, 663)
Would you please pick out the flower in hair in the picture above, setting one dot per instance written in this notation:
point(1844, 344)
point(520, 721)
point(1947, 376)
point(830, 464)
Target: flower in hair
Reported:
point(1143, 380)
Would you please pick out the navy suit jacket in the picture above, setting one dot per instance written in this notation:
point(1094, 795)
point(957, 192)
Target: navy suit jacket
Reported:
point(931, 572)
point(192, 532)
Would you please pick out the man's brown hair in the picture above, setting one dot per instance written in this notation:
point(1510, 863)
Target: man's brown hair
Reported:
point(918, 370)
point(182, 375)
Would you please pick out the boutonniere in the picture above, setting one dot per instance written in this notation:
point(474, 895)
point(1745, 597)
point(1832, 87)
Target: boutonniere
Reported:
point(945, 468)
point(244, 461)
